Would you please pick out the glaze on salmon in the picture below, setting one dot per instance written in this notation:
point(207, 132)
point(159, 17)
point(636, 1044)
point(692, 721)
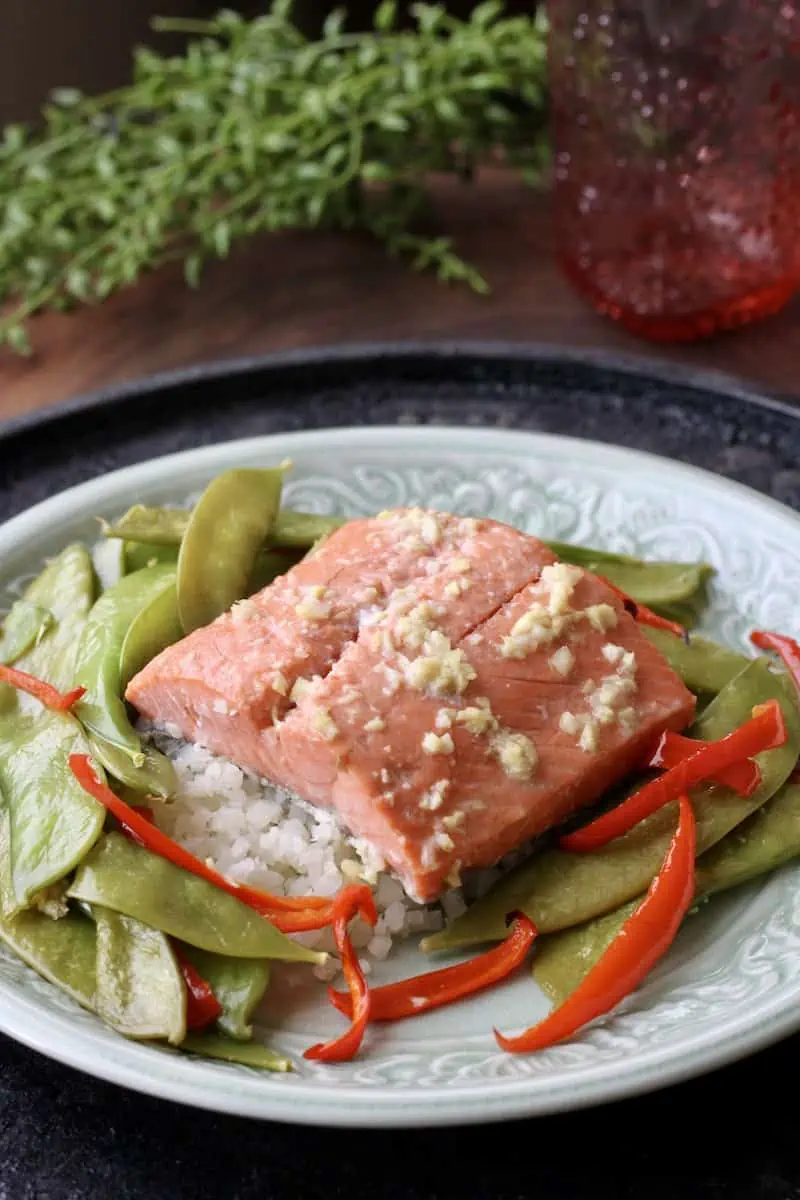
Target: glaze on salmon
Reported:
point(442, 682)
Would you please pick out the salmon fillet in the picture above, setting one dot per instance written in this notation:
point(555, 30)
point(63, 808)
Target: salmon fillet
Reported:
point(482, 699)
point(226, 684)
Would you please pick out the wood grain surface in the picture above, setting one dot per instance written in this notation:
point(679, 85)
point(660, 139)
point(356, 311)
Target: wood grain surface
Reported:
point(315, 289)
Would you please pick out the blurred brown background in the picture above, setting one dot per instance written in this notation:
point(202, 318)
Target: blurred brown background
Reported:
point(87, 43)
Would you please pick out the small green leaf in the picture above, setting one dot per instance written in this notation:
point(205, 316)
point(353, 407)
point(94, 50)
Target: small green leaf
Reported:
point(334, 24)
point(66, 97)
point(385, 16)
point(221, 238)
point(392, 121)
point(16, 338)
point(191, 270)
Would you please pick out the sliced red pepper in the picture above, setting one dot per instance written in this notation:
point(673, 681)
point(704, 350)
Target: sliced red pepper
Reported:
point(278, 909)
point(410, 997)
point(784, 646)
point(672, 748)
point(202, 1006)
point(765, 730)
point(641, 613)
point(354, 900)
point(644, 938)
point(44, 692)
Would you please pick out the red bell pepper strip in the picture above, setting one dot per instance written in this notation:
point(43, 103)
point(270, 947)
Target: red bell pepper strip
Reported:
point(202, 1006)
point(354, 900)
point(644, 938)
point(44, 692)
point(641, 613)
point(782, 645)
point(743, 777)
point(280, 910)
point(765, 730)
point(410, 997)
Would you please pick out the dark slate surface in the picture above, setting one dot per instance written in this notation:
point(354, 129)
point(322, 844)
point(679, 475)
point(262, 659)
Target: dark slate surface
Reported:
point(731, 1135)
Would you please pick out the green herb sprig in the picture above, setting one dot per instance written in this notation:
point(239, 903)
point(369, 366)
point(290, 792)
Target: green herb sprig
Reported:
point(255, 128)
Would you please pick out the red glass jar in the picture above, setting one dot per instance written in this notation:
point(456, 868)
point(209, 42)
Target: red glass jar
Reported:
point(677, 159)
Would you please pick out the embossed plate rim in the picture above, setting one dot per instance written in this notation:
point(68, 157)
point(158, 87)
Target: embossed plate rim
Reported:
point(78, 1041)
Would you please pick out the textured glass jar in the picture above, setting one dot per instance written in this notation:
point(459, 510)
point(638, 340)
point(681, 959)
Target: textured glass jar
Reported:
point(677, 159)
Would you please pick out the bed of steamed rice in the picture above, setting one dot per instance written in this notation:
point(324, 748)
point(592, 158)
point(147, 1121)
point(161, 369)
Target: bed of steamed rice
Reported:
point(256, 833)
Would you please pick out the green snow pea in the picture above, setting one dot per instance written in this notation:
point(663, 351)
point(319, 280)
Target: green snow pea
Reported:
point(98, 668)
point(166, 527)
point(140, 989)
point(147, 554)
point(558, 889)
point(66, 588)
point(150, 524)
point(156, 626)
point(249, 1054)
point(768, 839)
point(109, 562)
point(301, 530)
point(24, 627)
point(763, 842)
point(703, 666)
point(239, 985)
point(53, 822)
point(666, 587)
point(120, 875)
point(269, 565)
point(227, 529)
point(62, 951)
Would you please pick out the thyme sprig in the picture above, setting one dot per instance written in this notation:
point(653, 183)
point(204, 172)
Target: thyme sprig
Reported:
point(256, 128)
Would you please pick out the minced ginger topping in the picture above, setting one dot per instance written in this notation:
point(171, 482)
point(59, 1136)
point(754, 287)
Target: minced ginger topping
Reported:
point(609, 701)
point(516, 754)
point(434, 797)
point(313, 606)
point(434, 743)
point(323, 723)
point(549, 619)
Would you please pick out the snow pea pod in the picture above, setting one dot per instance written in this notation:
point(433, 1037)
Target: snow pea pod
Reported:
point(150, 524)
point(658, 585)
point(140, 990)
point(557, 889)
point(239, 985)
point(269, 565)
point(53, 822)
point(147, 554)
point(768, 839)
point(703, 666)
point(66, 588)
point(166, 527)
point(120, 875)
point(156, 626)
point(62, 952)
point(227, 528)
point(24, 627)
point(301, 530)
point(249, 1054)
point(98, 669)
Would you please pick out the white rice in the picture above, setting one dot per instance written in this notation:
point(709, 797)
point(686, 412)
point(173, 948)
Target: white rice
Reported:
point(256, 833)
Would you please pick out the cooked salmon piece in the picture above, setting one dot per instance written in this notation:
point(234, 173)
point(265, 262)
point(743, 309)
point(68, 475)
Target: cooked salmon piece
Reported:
point(449, 748)
point(484, 693)
point(227, 684)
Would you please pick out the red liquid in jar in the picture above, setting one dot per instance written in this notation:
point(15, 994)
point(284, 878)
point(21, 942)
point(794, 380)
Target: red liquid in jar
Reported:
point(677, 139)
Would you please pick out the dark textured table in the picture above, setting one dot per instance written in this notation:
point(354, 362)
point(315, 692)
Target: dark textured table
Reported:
point(730, 1136)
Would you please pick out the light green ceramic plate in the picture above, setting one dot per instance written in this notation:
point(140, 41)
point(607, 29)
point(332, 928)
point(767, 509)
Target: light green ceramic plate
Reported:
point(731, 983)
